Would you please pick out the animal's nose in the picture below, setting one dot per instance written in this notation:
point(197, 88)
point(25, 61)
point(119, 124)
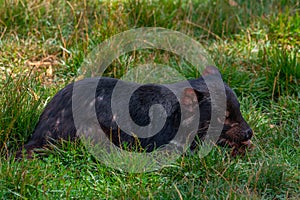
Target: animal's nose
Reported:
point(248, 133)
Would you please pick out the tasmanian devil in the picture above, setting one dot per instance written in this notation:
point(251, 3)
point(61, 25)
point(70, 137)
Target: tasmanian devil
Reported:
point(178, 112)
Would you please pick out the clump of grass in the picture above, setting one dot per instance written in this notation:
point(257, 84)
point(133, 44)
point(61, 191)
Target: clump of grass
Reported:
point(282, 71)
point(283, 28)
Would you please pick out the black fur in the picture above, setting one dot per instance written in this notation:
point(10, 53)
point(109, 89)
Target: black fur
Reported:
point(56, 122)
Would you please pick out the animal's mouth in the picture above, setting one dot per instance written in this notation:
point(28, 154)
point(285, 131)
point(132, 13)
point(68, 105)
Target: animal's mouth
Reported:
point(238, 148)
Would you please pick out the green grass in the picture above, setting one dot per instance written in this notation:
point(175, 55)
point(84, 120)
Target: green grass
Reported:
point(255, 45)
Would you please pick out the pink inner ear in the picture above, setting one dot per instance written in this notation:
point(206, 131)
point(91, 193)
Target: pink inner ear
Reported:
point(210, 70)
point(189, 97)
point(189, 92)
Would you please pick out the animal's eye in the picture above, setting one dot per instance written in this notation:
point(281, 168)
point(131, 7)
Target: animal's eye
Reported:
point(227, 114)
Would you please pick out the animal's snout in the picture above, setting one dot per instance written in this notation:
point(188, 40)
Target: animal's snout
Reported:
point(248, 134)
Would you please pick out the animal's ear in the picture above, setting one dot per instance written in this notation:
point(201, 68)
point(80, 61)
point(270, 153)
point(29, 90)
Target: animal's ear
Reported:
point(189, 99)
point(211, 70)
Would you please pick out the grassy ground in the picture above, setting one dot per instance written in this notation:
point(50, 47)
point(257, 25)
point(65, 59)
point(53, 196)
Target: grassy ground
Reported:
point(255, 44)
